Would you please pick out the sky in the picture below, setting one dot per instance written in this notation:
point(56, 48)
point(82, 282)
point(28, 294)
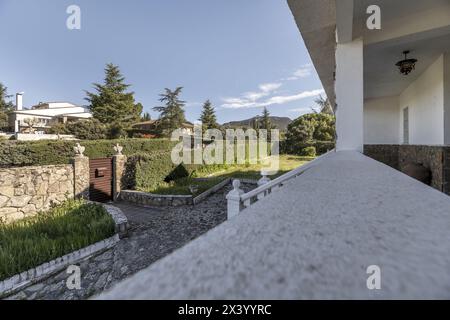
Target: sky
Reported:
point(243, 55)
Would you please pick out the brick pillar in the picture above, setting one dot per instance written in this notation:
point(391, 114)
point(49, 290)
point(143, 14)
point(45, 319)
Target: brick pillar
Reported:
point(81, 176)
point(119, 161)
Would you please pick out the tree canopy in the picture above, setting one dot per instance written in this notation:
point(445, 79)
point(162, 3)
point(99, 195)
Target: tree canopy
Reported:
point(171, 115)
point(112, 103)
point(5, 106)
point(308, 130)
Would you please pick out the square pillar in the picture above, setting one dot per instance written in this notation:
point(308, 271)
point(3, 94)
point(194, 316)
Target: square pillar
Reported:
point(349, 87)
point(119, 161)
point(81, 176)
point(447, 99)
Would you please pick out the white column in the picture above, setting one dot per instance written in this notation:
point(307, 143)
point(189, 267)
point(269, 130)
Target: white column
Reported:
point(349, 89)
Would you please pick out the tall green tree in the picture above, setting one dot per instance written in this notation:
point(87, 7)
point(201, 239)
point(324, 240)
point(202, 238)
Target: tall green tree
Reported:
point(208, 116)
point(5, 106)
point(265, 122)
point(112, 103)
point(171, 115)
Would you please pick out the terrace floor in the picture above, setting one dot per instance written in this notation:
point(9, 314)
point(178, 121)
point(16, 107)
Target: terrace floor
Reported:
point(315, 238)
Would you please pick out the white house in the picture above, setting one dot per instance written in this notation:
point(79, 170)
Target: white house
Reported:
point(344, 225)
point(44, 115)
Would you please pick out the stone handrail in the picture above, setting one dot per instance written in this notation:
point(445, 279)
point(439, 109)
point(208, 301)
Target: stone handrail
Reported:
point(238, 200)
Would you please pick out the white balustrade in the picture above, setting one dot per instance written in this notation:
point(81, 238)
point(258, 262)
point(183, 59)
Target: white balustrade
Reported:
point(237, 199)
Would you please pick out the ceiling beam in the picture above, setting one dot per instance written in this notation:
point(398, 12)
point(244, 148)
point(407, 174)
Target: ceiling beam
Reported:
point(344, 21)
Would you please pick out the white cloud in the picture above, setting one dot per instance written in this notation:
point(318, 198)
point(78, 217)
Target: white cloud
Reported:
point(295, 97)
point(269, 87)
point(303, 72)
point(237, 103)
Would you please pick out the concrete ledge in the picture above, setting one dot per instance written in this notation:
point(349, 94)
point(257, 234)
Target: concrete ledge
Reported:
point(31, 276)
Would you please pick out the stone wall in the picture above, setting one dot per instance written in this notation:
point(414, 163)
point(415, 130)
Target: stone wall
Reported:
point(387, 154)
point(434, 158)
point(27, 190)
point(428, 156)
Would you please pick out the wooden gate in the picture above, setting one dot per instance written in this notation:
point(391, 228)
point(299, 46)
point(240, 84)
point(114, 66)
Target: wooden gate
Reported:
point(101, 180)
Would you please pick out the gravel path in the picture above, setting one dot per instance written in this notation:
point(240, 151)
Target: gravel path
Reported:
point(154, 233)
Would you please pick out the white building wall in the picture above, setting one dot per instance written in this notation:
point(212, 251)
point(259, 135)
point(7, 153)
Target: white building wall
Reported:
point(381, 120)
point(425, 100)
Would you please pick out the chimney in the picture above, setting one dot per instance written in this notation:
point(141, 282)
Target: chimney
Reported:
point(19, 101)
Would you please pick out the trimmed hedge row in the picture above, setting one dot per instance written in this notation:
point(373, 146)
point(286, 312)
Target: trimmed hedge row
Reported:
point(35, 153)
point(146, 171)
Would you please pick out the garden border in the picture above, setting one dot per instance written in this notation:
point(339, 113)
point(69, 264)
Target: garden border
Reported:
point(162, 200)
point(34, 275)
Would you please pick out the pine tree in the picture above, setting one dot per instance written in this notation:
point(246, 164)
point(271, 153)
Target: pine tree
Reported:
point(112, 103)
point(265, 121)
point(208, 116)
point(171, 113)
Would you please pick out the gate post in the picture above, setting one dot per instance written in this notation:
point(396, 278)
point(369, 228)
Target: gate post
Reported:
point(81, 173)
point(119, 161)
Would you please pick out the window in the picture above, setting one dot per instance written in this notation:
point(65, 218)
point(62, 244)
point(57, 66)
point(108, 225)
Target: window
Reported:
point(406, 125)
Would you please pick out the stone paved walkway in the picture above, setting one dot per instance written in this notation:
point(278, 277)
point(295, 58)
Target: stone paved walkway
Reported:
point(154, 233)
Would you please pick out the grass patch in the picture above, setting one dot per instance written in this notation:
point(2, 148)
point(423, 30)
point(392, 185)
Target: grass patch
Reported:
point(28, 243)
point(218, 173)
point(185, 186)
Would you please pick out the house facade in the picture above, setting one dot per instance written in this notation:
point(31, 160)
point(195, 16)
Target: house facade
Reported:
point(41, 117)
point(358, 47)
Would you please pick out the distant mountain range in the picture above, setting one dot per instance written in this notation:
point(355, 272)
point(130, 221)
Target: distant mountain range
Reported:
point(280, 122)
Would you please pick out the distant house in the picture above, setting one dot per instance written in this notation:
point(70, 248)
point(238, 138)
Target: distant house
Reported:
point(44, 115)
point(151, 126)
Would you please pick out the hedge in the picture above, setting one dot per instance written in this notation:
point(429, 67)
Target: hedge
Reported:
point(147, 171)
point(34, 153)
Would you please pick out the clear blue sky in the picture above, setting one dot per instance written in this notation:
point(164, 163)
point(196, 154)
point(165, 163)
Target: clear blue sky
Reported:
point(241, 54)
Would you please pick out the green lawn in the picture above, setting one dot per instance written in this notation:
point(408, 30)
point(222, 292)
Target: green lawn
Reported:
point(217, 174)
point(28, 243)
